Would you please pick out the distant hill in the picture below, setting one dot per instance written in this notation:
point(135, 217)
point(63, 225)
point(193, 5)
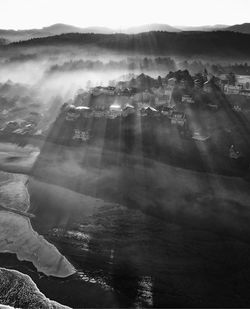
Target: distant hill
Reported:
point(203, 28)
point(150, 27)
point(243, 28)
point(62, 28)
point(216, 43)
point(56, 29)
point(20, 35)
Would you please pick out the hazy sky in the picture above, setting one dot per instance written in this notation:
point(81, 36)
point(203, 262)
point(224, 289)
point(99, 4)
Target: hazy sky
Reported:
point(24, 14)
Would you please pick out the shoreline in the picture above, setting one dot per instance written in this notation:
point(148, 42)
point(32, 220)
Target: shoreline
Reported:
point(17, 235)
point(29, 292)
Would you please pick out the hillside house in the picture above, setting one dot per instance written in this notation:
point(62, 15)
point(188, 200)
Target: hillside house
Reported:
point(128, 110)
point(178, 118)
point(167, 111)
point(234, 153)
point(81, 135)
point(84, 111)
point(186, 98)
point(115, 110)
point(72, 113)
point(197, 136)
point(245, 92)
point(231, 89)
point(208, 87)
point(99, 113)
point(198, 83)
point(172, 81)
point(142, 105)
point(103, 90)
point(151, 111)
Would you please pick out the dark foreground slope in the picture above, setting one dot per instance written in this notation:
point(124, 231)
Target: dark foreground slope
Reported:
point(217, 43)
point(182, 238)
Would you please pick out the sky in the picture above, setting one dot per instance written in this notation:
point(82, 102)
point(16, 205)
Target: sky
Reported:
point(26, 14)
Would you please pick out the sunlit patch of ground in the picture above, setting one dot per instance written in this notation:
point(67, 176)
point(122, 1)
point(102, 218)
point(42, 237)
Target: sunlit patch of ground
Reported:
point(17, 159)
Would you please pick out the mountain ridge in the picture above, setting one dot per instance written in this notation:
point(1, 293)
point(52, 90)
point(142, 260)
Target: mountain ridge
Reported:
point(243, 28)
point(60, 28)
point(186, 43)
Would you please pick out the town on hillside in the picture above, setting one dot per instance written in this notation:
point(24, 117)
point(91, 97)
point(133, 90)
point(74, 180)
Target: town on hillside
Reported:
point(196, 122)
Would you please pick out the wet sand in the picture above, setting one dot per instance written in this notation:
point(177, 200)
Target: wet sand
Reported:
point(15, 159)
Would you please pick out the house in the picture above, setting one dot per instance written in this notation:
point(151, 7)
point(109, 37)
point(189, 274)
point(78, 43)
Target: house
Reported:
point(128, 110)
point(158, 92)
point(142, 105)
point(148, 111)
point(197, 136)
point(186, 98)
point(144, 96)
point(183, 84)
point(151, 111)
point(245, 92)
point(231, 89)
point(126, 91)
point(234, 153)
point(208, 87)
point(81, 135)
point(110, 90)
point(115, 110)
point(11, 126)
point(82, 108)
point(172, 81)
point(167, 111)
point(163, 99)
point(213, 106)
point(178, 118)
point(85, 111)
point(168, 93)
point(103, 90)
point(72, 113)
point(237, 108)
point(198, 83)
point(99, 113)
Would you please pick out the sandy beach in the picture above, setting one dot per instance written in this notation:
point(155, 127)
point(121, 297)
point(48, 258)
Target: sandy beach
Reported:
point(16, 233)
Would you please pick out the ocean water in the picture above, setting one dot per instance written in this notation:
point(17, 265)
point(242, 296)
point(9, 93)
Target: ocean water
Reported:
point(126, 258)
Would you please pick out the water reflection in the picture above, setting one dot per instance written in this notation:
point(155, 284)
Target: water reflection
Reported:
point(145, 293)
point(144, 261)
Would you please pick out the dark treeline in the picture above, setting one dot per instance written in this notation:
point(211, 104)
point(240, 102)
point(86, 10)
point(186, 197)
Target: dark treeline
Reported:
point(215, 68)
point(217, 43)
point(146, 64)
